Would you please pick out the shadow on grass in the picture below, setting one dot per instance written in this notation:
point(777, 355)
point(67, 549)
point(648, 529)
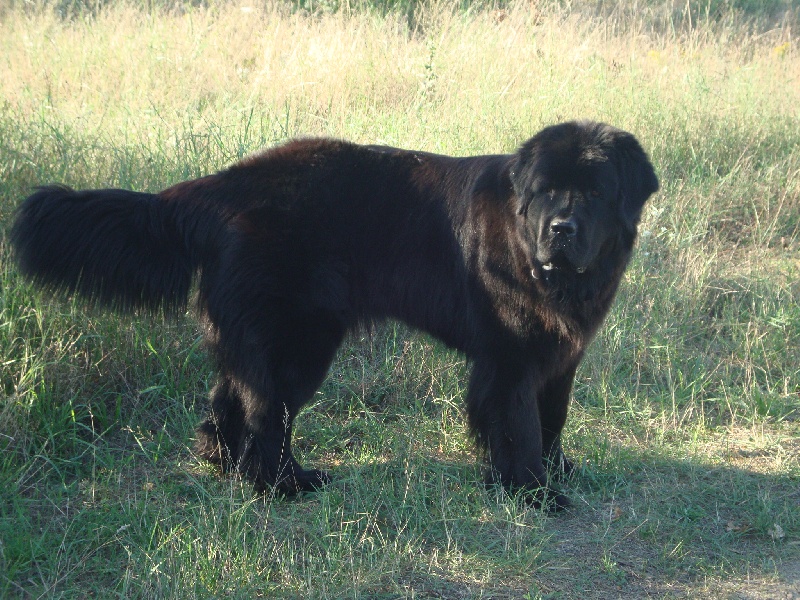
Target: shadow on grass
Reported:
point(651, 526)
point(644, 524)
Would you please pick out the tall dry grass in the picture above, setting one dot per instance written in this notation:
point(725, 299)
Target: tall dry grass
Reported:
point(685, 413)
point(133, 73)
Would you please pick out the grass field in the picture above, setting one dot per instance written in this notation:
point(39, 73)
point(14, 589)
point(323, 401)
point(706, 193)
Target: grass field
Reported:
point(686, 413)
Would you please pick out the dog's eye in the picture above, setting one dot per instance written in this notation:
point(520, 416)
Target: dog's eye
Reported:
point(595, 193)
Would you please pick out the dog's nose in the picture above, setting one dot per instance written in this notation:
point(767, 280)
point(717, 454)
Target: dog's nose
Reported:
point(565, 227)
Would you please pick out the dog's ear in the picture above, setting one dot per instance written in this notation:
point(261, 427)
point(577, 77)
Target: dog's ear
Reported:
point(637, 178)
point(495, 179)
point(524, 173)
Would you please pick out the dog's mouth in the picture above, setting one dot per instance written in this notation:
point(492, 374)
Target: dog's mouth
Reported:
point(553, 267)
point(556, 265)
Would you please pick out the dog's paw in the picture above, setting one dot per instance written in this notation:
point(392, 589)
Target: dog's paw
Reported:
point(306, 480)
point(311, 480)
point(548, 499)
point(209, 446)
point(559, 466)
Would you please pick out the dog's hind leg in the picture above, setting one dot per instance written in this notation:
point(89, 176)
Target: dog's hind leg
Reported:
point(253, 408)
point(218, 436)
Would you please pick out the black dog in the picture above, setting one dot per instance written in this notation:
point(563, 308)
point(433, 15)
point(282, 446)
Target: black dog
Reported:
point(512, 259)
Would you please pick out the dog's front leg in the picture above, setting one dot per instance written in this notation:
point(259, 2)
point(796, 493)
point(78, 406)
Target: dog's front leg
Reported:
point(502, 406)
point(553, 403)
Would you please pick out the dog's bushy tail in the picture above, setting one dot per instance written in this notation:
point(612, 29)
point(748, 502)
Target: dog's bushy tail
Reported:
point(117, 248)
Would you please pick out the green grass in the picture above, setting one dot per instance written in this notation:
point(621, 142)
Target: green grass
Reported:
point(685, 415)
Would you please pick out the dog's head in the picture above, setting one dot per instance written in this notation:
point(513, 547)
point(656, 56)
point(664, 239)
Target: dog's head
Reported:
point(580, 188)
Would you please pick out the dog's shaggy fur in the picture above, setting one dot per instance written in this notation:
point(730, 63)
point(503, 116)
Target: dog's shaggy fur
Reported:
point(512, 259)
